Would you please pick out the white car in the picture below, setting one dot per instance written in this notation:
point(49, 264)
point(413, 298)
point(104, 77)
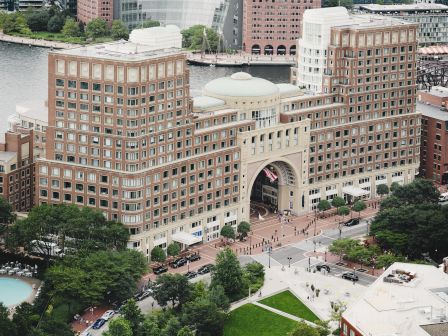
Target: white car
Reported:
point(108, 314)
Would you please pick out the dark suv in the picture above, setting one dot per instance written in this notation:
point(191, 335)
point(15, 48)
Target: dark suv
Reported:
point(160, 269)
point(178, 262)
point(351, 222)
point(194, 257)
point(205, 269)
point(320, 267)
point(350, 276)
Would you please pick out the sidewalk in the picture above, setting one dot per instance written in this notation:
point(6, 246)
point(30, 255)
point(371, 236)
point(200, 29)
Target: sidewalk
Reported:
point(35, 42)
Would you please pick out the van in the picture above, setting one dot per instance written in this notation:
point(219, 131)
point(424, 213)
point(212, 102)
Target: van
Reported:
point(443, 197)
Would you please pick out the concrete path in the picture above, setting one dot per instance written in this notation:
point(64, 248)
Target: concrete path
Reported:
point(282, 313)
point(36, 42)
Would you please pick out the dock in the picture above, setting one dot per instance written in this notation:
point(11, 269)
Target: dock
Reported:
point(240, 59)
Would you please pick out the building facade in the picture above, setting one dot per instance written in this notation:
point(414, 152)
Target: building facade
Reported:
point(272, 28)
point(87, 10)
point(432, 19)
point(434, 152)
point(17, 170)
point(131, 12)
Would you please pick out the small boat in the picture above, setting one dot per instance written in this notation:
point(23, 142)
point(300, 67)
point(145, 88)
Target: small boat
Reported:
point(212, 65)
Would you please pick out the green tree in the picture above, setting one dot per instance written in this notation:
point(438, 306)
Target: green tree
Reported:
point(71, 28)
point(342, 247)
point(199, 289)
point(217, 296)
point(228, 273)
point(228, 232)
point(418, 192)
point(359, 206)
point(16, 23)
point(186, 331)
point(6, 325)
point(172, 288)
point(387, 259)
point(55, 24)
point(394, 186)
point(337, 202)
point(324, 205)
point(150, 327)
point(303, 329)
point(25, 318)
point(37, 20)
point(172, 327)
point(173, 249)
point(158, 254)
point(150, 24)
point(119, 30)
point(337, 309)
point(193, 38)
point(205, 317)
point(119, 327)
point(382, 189)
point(323, 327)
point(343, 210)
point(243, 228)
point(96, 28)
point(6, 214)
point(133, 315)
point(334, 3)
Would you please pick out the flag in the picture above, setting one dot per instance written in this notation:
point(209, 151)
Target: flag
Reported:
point(270, 175)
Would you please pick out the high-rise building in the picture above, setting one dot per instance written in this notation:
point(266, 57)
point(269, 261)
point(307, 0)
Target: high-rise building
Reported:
point(125, 137)
point(272, 28)
point(87, 10)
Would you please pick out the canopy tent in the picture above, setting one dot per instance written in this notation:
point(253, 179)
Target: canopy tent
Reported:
point(185, 238)
point(355, 191)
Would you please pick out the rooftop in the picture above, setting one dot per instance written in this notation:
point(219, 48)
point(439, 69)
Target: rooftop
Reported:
point(404, 8)
point(401, 301)
point(437, 50)
point(432, 111)
point(119, 51)
point(439, 91)
point(7, 156)
point(206, 102)
point(34, 109)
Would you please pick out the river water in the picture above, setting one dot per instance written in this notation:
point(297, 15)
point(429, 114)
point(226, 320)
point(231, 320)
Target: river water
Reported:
point(23, 76)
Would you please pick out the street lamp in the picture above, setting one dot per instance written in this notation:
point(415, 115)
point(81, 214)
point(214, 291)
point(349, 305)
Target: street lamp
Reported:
point(250, 244)
point(269, 255)
point(289, 262)
point(309, 264)
point(325, 256)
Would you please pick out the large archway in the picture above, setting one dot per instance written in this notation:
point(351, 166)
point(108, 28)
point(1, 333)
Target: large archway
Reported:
point(256, 49)
point(273, 188)
point(269, 50)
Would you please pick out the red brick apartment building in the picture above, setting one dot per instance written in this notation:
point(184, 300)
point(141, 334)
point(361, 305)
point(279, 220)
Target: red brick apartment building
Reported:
point(87, 10)
point(125, 137)
point(272, 27)
point(17, 170)
point(434, 144)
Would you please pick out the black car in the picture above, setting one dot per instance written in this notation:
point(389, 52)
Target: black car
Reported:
point(205, 269)
point(351, 222)
point(178, 262)
point(98, 323)
point(350, 276)
point(194, 257)
point(143, 295)
point(160, 270)
point(191, 275)
point(320, 267)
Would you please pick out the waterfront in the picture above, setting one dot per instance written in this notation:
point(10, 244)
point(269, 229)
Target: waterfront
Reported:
point(23, 76)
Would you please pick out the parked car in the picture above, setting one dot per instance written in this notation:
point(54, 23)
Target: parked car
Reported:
point(194, 257)
point(350, 276)
point(178, 262)
point(108, 314)
point(320, 267)
point(205, 269)
point(352, 221)
point(144, 295)
point(160, 270)
point(98, 323)
point(191, 275)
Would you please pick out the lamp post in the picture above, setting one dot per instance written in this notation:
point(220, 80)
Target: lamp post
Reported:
point(250, 244)
point(289, 262)
point(325, 258)
point(269, 255)
point(340, 229)
point(309, 264)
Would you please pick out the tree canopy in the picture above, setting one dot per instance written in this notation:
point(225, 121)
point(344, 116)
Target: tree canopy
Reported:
point(173, 249)
point(119, 327)
point(71, 28)
point(96, 28)
point(228, 273)
point(243, 228)
point(158, 254)
point(337, 201)
point(324, 205)
point(303, 329)
point(228, 232)
point(359, 206)
point(343, 210)
point(193, 37)
point(119, 30)
point(150, 23)
point(382, 189)
point(172, 288)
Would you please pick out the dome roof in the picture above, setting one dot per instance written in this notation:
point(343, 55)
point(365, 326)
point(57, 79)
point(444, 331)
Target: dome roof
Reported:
point(241, 84)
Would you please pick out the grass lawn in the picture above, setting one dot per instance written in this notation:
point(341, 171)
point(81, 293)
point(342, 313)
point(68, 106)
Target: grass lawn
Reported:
point(64, 311)
point(289, 303)
point(250, 320)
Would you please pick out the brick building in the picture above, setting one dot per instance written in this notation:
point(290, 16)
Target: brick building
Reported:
point(87, 10)
point(17, 170)
point(272, 27)
point(434, 150)
point(125, 137)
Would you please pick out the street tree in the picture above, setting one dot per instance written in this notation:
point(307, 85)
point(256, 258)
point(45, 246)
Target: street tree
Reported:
point(71, 28)
point(55, 24)
point(324, 205)
point(150, 24)
point(186, 331)
point(418, 192)
point(337, 309)
point(96, 28)
point(217, 296)
point(359, 206)
point(204, 316)
point(119, 327)
point(303, 329)
point(133, 315)
point(158, 254)
point(172, 288)
point(119, 30)
point(337, 202)
point(150, 327)
point(243, 228)
point(37, 20)
point(342, 247)
point(343, 211)
point(382, 189)
point(394, 186)
point(173, 249)
point(172, 327)
point(228, 232)
point(228, 273)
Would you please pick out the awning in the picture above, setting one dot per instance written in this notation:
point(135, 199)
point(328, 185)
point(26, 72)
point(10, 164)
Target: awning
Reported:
point(185, 238)
point(355, 191)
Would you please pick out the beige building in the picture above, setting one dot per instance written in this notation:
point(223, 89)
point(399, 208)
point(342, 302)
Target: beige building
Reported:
point(125, 137)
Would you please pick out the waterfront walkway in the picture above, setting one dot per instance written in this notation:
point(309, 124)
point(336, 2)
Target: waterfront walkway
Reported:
point(35, 42)
point(240, 59)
